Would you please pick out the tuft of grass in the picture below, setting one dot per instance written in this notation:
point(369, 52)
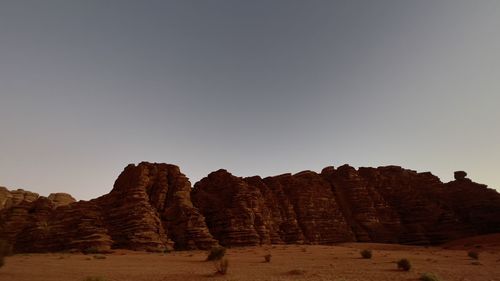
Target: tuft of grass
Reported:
point(473, 255)
point(91, 250)
point(267, 258)
point(428, 277)
point(221, 266)
point(95, 278)
point(99, 257)
point(5, 250)
point(216, 253)
point(297, 272)
point(404, 264)
point(366, 254)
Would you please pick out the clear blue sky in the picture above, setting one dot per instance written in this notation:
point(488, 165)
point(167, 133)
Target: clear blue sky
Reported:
point(256, 87)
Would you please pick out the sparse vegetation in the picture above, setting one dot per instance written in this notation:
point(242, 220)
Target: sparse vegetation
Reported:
point(91, 250)
point(5, 250)
point(267, 258)
point(428, 277)
point(473, 255)
point(404, 264)
point(216, 253)
point(366, 254)
point(95, 278)
point(99, 257)
point(297, 272)
point(221, 266)
point(155, 250)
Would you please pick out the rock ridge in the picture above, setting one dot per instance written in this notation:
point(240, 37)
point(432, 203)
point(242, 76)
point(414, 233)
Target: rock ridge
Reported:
point(153, 207)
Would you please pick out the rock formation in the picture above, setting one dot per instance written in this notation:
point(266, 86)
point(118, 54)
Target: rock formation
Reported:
point(153, 207)
point(15, 197)
point(149, 208)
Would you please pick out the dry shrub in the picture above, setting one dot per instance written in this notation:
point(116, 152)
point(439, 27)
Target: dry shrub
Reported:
point(297, 272)
point(5, 250)
point(267, 258)
point(91, 250)
point(428, 277)
point(473, 255)
point(216, 253)
point(366, 254)
point(221, 266)
point(99, 257)
point(404, 264)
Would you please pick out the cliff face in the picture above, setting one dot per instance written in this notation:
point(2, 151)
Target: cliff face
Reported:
point(149, 208)
point(153, 207)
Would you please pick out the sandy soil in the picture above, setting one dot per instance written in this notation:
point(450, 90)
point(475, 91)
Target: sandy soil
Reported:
point(341, 262)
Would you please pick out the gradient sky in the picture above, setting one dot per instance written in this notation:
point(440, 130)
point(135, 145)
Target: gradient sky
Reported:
point(255, 87)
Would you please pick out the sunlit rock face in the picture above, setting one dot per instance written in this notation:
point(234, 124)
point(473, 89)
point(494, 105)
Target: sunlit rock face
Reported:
point(153, 207)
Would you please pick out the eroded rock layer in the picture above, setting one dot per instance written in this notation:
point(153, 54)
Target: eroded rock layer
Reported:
point(385, 204)
point(153, 207)
point(149, 208)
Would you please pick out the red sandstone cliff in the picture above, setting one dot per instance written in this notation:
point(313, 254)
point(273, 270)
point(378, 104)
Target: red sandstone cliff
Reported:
point(149, 208)
point(153, 207)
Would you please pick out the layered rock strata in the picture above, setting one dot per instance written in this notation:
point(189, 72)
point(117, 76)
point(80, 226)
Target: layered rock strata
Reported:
point(153, 207)
point(386, 204)
point(149, 208)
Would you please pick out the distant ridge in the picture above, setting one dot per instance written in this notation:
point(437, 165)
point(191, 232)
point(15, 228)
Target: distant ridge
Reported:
point(153, 207)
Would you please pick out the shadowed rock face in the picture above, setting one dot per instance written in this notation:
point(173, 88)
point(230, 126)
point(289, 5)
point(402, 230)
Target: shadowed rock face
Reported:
point(385, 204)
point(152, 207)
point(149, 208)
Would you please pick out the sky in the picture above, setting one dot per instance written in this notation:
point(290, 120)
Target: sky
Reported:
point(255, 87)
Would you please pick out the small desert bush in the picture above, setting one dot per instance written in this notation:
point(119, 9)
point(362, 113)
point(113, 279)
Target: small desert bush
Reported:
point(428, 277)
point(99, 257)
point(91, 250)
point(216, 253)
point(297, 272)
point(404, 264)
point(473, 255)
point(267, 258)
point(5, 250)
point(95, 278)
point(366, 254)
point(221, 266)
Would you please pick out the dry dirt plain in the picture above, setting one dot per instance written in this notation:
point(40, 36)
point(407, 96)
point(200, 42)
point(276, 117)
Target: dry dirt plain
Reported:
point(341, 262)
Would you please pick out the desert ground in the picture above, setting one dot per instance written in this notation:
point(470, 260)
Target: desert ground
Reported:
point(288, 262)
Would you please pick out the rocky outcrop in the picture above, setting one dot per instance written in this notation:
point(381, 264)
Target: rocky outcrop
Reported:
point(386, 204)
point(161, 194)
point(61, 199)
point(15, 197)
point(149, 208)
point(153, 207)
point(318, 214)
